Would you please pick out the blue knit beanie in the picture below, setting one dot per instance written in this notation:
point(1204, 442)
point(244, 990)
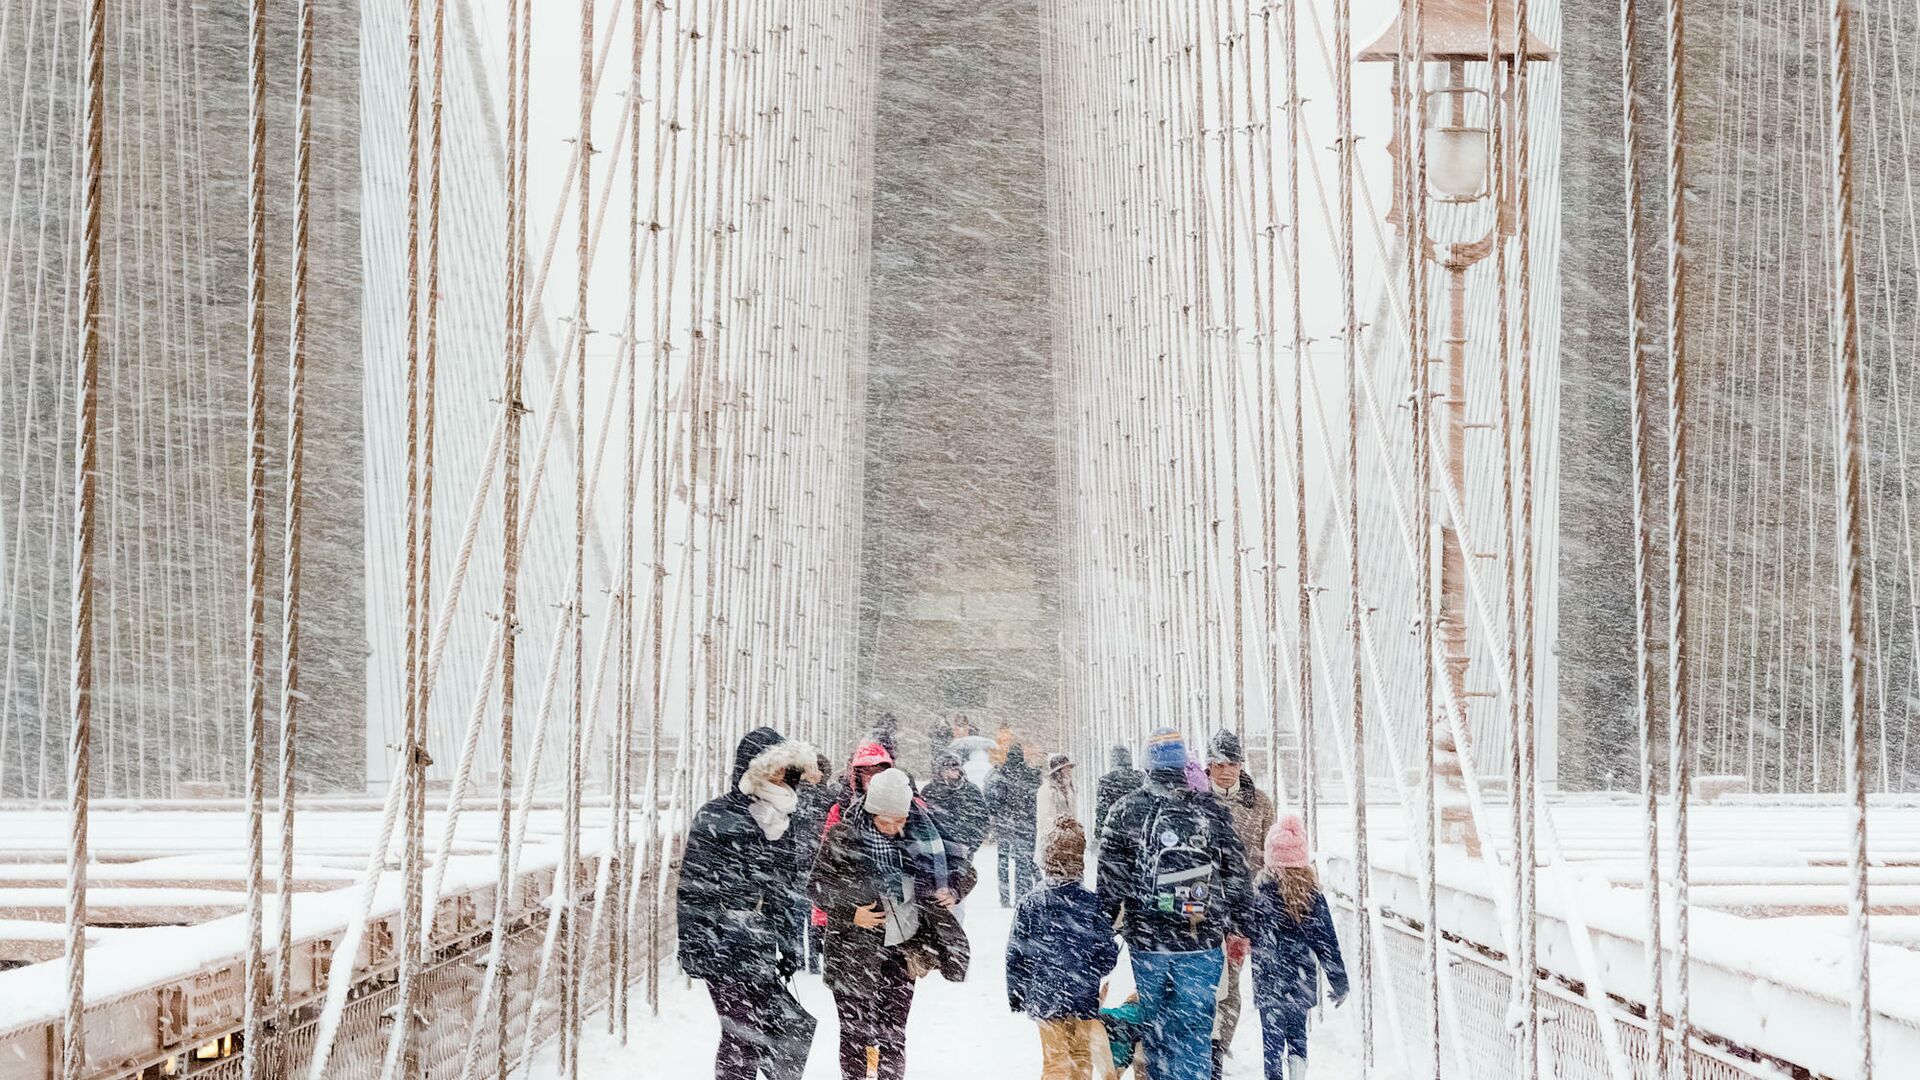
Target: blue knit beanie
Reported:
point(1166, 749)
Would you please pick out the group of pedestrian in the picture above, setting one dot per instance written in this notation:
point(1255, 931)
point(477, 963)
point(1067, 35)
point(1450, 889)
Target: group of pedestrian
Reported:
point(1198, 874)
point(862, 879)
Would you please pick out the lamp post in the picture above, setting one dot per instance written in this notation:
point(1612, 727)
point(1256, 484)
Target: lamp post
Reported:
point(1463, 177)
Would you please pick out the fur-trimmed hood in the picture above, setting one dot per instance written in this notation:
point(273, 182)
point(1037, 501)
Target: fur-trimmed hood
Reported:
point(776, 759)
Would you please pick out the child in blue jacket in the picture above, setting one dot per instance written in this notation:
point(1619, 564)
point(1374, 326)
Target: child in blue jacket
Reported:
point(1293, 944)
point(1059, 951)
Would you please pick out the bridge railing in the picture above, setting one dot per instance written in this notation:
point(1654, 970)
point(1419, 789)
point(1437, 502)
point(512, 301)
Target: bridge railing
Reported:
point(185, 1017)
point(1751, 1022)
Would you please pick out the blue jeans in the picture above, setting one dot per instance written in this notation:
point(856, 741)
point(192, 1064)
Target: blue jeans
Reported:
point(1283, 1034)
point(1176, 996)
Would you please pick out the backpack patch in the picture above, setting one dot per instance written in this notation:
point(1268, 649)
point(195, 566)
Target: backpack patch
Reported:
point(1177, 871)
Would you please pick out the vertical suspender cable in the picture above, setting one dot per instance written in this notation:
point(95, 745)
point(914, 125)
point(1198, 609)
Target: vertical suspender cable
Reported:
point(494, 986)
point(253, 999)
point(1845, 297)
point(1350, 347)
point(1525, 844)
point(571, 961)
point(656, 861)
point(399, 1054)
point(1498, 134)
point(1641, 448)
point(73, 1057)
point(623, 742)
point(1302, 554)
point(1413, 120)
point(1679, 713)
point(296, 480)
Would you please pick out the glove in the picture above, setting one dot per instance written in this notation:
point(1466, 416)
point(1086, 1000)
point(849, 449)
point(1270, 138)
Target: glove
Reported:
point(1016, 1003)
point(1339, 999)
point(786, 965)
point(1238, 949)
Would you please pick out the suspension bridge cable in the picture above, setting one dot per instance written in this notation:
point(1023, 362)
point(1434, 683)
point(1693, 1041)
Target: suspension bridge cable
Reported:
point(1525, 844)
point(1350, 335)
point(73, 1052)
point(1640, 450)
point(1680, 720)
point(290, 691)
point(1845, 298)
point(254, 981)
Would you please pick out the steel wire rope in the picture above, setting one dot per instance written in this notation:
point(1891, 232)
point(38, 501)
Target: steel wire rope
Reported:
point(1845, 299)
point(73, 1045)
point(291, 694)
point(254, 983)
point(1679, 691)
point(1350, 332)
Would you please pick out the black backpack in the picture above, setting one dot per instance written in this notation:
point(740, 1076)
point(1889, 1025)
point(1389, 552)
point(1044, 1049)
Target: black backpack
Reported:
point(1175, 867)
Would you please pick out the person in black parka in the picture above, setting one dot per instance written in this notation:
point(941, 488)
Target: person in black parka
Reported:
point(1173, 877)
point(1120, 780)
point(1012, 792)
point(741, 909)
point(958, 807)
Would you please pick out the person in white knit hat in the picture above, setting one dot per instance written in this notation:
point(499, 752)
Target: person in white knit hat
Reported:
point(875, 885)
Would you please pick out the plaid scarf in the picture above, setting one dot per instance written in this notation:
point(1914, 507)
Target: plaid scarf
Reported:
point(889, 864)
point(929, 850)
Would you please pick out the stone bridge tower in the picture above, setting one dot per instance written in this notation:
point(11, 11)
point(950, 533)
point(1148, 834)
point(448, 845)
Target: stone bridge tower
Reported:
point(961, 594)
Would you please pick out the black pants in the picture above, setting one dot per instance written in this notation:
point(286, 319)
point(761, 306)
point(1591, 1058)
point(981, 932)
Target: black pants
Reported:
point(1017, 850)
point(763, 1031)
point(873, 1013)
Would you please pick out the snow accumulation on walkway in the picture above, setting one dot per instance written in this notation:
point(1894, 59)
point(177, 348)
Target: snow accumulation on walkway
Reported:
point(958, 1031)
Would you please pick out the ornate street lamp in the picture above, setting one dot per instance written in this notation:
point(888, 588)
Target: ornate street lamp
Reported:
point(1462, 174)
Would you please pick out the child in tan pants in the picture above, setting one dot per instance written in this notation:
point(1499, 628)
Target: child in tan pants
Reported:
point(1059, 951)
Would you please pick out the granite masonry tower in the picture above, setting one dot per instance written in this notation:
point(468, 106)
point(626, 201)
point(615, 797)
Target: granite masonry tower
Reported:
point(961, 592)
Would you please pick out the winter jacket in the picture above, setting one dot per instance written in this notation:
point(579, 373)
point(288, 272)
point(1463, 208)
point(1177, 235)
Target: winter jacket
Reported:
point(1058, 952)
point(1253, 815)
point(844, 878)
point(1122, 780)
point(739, 902)
point(960, 810)
point(1127, 895)
point(1289, 954)
point(810, 822)
point(1011, 794)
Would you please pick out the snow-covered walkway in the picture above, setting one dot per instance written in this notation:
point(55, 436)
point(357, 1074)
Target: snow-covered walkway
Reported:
point(956, 1032)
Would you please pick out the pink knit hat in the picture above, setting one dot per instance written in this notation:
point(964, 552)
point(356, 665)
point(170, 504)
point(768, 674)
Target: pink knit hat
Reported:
point(1287, 842)
point(871, 754)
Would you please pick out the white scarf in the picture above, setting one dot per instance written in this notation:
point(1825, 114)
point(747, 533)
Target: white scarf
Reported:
point(772, 808)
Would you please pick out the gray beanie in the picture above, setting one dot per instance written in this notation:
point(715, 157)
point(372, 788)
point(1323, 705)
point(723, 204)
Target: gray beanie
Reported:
point(890, 794)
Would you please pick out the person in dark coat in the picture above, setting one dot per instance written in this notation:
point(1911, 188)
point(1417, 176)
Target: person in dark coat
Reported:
point(1012, 792)
point(886, 732)
point(1121, 779)
point(880, 913)
point(958, 807)
point(740, 908)
point(809, 825)
point(1293, 944)
point(1059, 951)
point(1174, 879)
